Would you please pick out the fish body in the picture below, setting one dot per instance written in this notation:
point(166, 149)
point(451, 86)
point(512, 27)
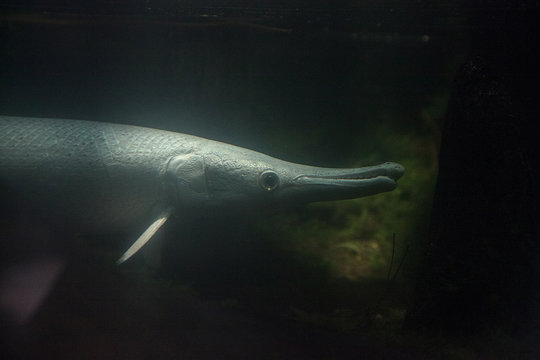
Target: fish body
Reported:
point(103, 176)
point(100, 175)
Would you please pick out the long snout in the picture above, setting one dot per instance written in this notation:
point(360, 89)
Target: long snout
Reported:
point(323, 184)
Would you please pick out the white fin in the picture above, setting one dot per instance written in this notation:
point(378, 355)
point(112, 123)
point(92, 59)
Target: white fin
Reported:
point(146, 235)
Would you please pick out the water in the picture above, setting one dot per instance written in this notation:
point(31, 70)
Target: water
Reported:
point(336, 85)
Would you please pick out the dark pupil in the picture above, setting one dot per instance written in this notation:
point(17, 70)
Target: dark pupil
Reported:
point(270, 181)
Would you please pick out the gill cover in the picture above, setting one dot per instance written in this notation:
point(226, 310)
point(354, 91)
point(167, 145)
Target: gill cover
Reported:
point(186, 174)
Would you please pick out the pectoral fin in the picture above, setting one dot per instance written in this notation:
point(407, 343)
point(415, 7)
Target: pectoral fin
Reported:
point(146, 235)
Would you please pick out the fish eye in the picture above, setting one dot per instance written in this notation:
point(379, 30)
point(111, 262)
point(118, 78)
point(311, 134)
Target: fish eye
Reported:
point(269, 180)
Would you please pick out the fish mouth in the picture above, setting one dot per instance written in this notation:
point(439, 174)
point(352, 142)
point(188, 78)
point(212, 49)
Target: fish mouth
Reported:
point(352, 177)
point(334, 184)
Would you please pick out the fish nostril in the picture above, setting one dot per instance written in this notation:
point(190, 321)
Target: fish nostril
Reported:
point(397, 171)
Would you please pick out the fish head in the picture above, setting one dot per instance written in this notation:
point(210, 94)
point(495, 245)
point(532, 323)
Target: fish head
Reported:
point(232, 175)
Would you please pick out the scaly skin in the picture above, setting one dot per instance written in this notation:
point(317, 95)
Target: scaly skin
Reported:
point(102, 176)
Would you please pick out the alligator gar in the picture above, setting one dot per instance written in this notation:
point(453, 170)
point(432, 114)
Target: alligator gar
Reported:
point(102, 175)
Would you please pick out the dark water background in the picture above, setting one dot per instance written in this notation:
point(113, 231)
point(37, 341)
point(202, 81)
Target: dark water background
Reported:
point(231, 80)
point(307, 82)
